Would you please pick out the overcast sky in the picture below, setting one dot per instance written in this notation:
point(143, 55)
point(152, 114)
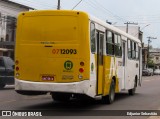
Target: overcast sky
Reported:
point(144, 12)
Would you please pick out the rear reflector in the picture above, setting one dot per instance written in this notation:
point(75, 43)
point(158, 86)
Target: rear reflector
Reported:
point(17, 74)
point(80, 76)
point(81, 70)
point(82, 63)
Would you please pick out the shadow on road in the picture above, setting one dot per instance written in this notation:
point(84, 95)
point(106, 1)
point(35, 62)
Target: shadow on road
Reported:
point(122, 96)
point(76, 104)
point(72, 104)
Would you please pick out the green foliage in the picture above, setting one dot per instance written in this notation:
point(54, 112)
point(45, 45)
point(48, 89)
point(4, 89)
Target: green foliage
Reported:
point(151, 64)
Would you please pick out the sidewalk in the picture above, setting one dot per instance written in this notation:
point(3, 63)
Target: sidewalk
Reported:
point(154, 117)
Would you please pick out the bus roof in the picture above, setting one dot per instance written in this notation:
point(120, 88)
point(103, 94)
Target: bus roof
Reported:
point(112, 28)
point(98, 21)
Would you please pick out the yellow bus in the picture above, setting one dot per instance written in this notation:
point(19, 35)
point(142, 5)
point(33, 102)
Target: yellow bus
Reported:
point(71, 54)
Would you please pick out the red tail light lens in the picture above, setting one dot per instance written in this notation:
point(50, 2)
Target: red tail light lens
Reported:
point(81, 70)
point(17, 68)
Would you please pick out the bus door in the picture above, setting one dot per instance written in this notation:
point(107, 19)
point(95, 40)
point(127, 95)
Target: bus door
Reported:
point(123, 64)
point(100, 40)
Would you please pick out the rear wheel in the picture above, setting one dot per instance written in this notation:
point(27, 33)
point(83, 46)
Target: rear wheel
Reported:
point(108, 99)
point(133, 90)
point(62, 97)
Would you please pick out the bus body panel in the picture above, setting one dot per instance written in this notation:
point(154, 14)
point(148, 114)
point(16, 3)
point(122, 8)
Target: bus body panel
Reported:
point(49, 46)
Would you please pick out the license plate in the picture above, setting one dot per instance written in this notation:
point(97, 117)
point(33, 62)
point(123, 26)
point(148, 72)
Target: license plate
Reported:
point(48, 78)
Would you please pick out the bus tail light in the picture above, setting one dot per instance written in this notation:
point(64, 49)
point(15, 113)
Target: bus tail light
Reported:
point(81, 70)
point(17, 68)
point(82, 63)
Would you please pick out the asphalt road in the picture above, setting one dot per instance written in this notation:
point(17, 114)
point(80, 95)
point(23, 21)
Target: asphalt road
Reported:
point(147, 97)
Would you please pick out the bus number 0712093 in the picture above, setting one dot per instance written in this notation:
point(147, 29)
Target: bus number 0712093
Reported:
point(64, 51)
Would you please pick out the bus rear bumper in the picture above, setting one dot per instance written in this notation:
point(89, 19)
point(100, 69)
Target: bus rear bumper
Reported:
point(86, 87)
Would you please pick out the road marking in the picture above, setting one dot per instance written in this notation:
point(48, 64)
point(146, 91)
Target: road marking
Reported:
point(154, 117)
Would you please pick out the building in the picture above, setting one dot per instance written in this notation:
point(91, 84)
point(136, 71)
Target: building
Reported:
point(144, 56)
point(8, 14)
point(154, 55)
point(133, 30)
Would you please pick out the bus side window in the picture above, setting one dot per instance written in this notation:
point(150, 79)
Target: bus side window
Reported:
point(137, 52)
point(93, 37)
point(118, 47)
point(129, 49)
point(133, 50)
point(109, 43)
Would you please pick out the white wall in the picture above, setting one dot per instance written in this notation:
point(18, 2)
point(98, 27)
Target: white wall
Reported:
point(132, 30)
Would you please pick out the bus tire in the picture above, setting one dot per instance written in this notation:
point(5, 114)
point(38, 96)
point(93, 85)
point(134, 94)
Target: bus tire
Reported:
point(2, 86)
point(133, 90)
point(108, 99)
point(62, 97)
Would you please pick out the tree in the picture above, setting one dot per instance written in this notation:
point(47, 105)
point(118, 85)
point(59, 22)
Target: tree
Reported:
point(151, 64)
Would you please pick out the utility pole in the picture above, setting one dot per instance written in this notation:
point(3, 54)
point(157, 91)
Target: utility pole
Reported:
point(149, 41)
point(128, 24)
point(59, 5)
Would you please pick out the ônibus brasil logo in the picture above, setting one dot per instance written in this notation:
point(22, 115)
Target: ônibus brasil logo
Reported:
point(68, 65)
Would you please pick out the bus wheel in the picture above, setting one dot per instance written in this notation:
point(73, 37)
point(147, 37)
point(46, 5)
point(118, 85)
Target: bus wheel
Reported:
point(133, 90)
point(108, 99)
point(2, 86)
point(62, 97)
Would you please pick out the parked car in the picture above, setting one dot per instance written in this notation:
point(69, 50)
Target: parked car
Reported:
point(157, 72)
point(145, 72)
point(151, 72)
point(6, 71)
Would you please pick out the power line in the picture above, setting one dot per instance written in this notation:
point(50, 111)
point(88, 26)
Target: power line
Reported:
point(149, 22)
point(98, 9)
point(127, 23)
point(114, 15)
point(95, 8)
point(153, 15)
point(103, 10)
point(76, 4)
